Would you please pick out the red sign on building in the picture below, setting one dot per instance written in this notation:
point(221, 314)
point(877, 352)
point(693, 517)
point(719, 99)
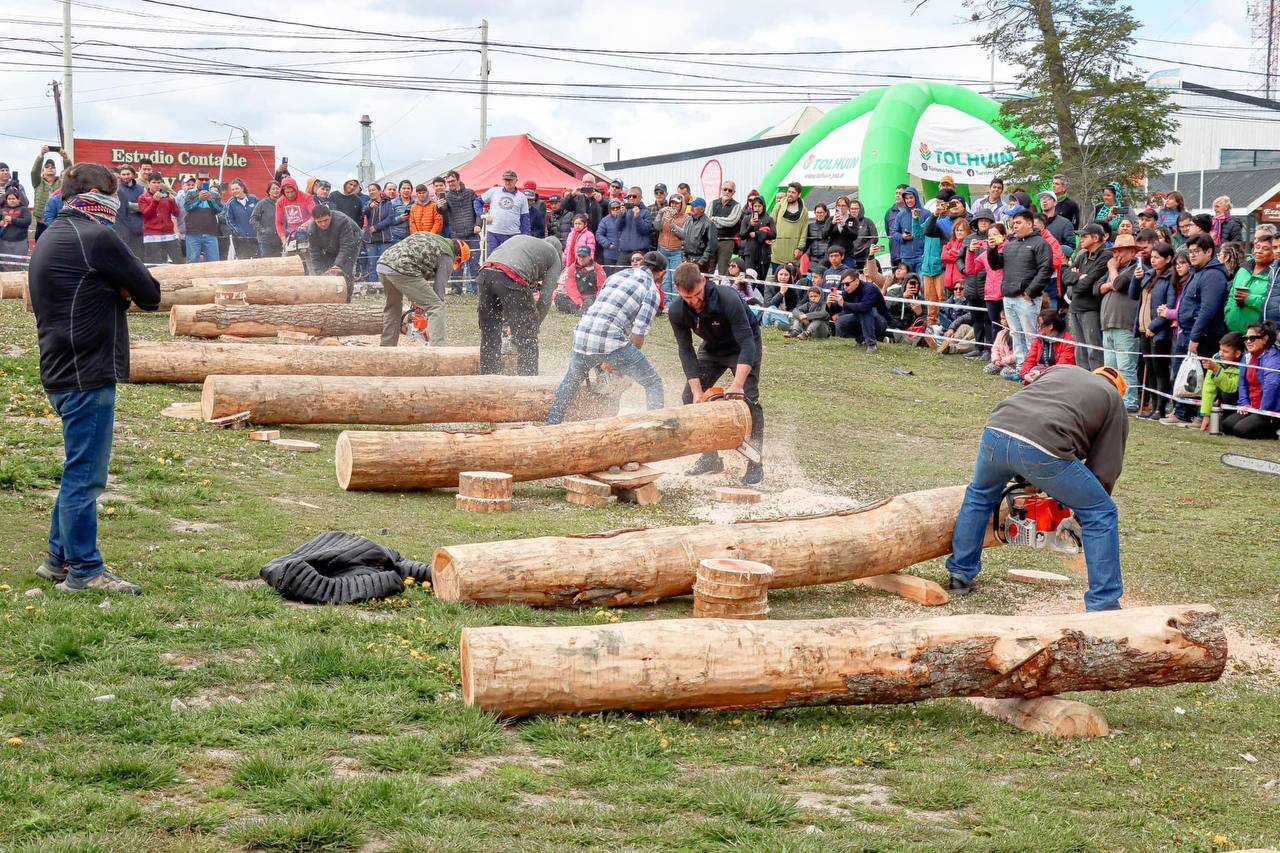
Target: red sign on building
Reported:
point(253, 164)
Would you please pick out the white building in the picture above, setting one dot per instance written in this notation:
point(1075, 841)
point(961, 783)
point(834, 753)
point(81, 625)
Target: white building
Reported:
point(1219, 129)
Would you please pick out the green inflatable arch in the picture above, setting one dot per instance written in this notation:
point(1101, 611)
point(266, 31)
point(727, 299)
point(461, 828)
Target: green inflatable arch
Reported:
point(895, 112)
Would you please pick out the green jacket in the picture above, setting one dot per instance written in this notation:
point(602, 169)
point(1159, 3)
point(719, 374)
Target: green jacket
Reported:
point(791, 235)
point(40, 189)
point(418, 254)
point(1238, 316)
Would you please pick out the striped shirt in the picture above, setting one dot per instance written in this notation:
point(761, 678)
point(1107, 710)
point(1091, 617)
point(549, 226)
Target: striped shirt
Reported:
point(624, 307)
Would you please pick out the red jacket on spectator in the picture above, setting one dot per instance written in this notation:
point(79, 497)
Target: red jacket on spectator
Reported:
point(953, 263)
point(158, 213)
point(1056, 248)
point(1059, 353)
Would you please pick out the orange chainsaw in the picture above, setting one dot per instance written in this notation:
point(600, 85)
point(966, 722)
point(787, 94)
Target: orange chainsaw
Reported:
point(750, 453)
point(1035, 520)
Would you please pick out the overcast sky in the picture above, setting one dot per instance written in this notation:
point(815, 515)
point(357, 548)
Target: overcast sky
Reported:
point(316, 126)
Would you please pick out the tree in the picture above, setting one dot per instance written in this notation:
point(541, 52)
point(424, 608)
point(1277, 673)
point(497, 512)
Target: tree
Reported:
point(1082, 109)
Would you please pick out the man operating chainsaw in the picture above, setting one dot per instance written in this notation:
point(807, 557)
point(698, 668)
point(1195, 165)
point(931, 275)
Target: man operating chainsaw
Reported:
point(1065, 435)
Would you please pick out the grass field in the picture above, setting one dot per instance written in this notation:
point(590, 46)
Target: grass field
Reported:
point(310, 729)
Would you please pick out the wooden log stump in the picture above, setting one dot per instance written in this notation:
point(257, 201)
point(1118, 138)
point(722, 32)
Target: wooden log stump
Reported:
point(259, 321)
point(646, 495)
point(705, 608)
point(389, 399)
point(586, 486)
point(11, 284)
point(493, 485)
point(263, 435)
point(182, 411)
point(1046, 715)
point(427, 460)
point(295, 445)
point(732, 589)
point(189, 361)
point(911, 587)
point(643, 566)
point(726, 494)
point(465, 503)
point(583, 499)
point(641, 475)
point(681, 664)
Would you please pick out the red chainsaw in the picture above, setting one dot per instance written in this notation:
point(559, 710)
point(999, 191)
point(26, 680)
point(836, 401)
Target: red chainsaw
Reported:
point(1035, 520)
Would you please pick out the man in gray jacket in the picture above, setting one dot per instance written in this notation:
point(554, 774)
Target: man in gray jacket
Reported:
point(1065, 434)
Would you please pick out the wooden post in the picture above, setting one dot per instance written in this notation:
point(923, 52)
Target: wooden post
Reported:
point(428, 460)
point(643, 566)
point(189, 361)
point(394, 400)
point(258, 321)
point(681, 664)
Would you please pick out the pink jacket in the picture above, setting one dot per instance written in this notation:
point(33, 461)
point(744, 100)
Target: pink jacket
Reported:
point(576, 239)
point(1002, 350)
point(977, 262)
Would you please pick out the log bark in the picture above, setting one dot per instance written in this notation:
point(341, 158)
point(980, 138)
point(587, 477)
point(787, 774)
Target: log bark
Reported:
point(643, 566)
point(12, 282)
point(260, 290)
point(428, 460)
point(188, 361)
point(680, 664)
point(260, 321)
point(394, 400)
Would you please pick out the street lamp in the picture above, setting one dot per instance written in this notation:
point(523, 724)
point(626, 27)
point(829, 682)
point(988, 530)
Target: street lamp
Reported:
point(244, 135)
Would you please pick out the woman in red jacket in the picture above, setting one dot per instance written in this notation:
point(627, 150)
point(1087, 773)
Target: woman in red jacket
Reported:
point(953, 264)
point(1045, 354)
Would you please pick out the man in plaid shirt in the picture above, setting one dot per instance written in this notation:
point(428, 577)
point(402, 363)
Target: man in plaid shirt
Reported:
point(612, 331)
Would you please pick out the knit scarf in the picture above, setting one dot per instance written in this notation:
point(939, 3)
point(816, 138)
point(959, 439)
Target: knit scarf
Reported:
point(98, 207)
point(1218, 219)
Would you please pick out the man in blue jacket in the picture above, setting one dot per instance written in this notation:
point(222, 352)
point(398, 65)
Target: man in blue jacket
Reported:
point(129, 219)
point(1200, 311)
point(859, 310)
point(909, 228)
point(608, 233)
point(634, 234)
point(82, 281)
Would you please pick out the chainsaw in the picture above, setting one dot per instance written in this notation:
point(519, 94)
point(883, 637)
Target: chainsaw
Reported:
point(750, 453)
point(1035, 520)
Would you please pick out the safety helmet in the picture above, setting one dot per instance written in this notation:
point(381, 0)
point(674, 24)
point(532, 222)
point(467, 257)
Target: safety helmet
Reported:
point(1113, 376)
point(461, 253)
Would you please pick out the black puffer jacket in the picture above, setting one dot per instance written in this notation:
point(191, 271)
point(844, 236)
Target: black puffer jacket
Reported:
point(974, 283)
point(1027, 263)
point(341, 568)
point(818, 241)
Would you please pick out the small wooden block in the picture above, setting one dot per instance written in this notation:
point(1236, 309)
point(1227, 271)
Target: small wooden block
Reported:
point(263, 435)
point(466, 503)
point(588, 500)
point(182, 411)
point(587, 486)
point(485, 484)
point(735, 496)
point(236, 421)
point(1047, 715)
point(1034, 576)
point(645, 495)
point(628, 479)
point(917, 589)
point(295, 338)
point(294, 444)
point(237, 339)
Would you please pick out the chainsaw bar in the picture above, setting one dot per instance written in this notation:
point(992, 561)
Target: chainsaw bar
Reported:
point(1251, 463)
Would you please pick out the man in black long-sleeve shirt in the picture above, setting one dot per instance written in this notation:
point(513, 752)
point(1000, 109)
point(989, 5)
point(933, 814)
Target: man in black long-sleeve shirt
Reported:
point(730, 341)
point(334, 246)
point(1027, 262)
point(82, 279)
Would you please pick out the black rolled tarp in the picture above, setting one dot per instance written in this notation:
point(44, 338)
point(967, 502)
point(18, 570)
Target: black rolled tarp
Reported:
point(342, 568)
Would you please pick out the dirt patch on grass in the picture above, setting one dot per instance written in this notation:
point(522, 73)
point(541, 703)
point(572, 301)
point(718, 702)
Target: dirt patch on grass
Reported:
point(178, 525)
point(1250, 653)
point(233, 694)
point(477, 766)
point(184, 661)
point(346, 767)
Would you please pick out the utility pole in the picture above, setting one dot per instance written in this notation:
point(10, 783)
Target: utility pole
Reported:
point(484, 81)
point(69, 122)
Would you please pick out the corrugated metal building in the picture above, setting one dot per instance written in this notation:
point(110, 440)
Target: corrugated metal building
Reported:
point(1219, 129)
point(703, 169)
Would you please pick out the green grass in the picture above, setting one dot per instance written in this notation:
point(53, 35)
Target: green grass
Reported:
point(316, 729)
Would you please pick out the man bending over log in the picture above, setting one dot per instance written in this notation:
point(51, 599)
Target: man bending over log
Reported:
point(515, 286)
point(83, 278)
point(418, 267)
point(1065, 434)
point(730, 341)
point(612, 331)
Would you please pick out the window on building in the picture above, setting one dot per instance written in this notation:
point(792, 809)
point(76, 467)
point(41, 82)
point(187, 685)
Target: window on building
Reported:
point(1248, 158)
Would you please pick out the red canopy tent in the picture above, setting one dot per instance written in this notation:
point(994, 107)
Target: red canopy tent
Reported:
point(531, 160)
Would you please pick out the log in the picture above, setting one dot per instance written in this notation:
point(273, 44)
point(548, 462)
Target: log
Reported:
point(1034, 576)
point(586, 486)
point(681, 664)
point(263, 435)
point(643, 566)
point(394, 400)
point(13, 282)
point(1046, 715)
point(259, 290)
point(427, 460)
point(492, 485)
point(728, 494)
point(264, 321)
point(464, 503)
point(911, 587)
point(708, 608)
point(188, 361)
point(295, 445)
point(584, 499)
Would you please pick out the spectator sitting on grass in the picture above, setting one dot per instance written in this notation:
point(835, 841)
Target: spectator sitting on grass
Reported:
point(1002, 357)
point(1045, 353)
point(1220, 380)
point(903, 315)
point(787, 294)
point(810, 319)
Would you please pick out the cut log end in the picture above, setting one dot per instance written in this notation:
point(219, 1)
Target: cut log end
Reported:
point(490, 485)
point(444, 580)
point(726, 494)
point(342, 464)
point(467, 503)
point(1047, 715)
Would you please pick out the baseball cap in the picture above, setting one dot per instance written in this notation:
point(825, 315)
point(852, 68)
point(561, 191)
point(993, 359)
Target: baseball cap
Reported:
point(659, 188)
point(530, 193)
point(615, 183)
point(553, 197)
point(529, 185)
point(584, 250)
point(1048, 194)
point(698, 202)
point(614, 203)
point(1093, 230)
point(1113, 376)
point(675, 197)
point(510, 173)
point(1148, 211)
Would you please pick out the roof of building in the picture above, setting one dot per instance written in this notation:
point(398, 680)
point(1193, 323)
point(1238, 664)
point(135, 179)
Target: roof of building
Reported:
point(796, 123)
point(531, 158)
point(421, 171)
point(1247, 188)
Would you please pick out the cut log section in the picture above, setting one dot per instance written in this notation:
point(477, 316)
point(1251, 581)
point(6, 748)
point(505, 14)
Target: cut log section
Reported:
point(13, 282)
point(643, 566)
point(188, 361)
point(295, 444)
point(1033, 576)
point(263, 435)
point(256, 290)
point(464, 503)
point(428, 460)
point(1046, 715)
point(394, 399)
point(586, 486)
point(642, 475)
point(238, 420)
point(708, 608)
point(11, 285)
point(583, 499)
point(182, 411)
point(259, 321)
point(726, 494)
point(646, 495)
point(493, 485)
point(911, 587)
point(681, 664)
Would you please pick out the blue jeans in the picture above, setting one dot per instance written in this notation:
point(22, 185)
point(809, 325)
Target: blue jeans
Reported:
point(1124, 359)
point(1000, 457)
point(674, 257)
point(494, 241)
point(87, 418)
point(865, 328)
point(470, 267)
point(627, 360)
point(913, 264)
point(374, 252)
point(201, 244)
point(1023, 316)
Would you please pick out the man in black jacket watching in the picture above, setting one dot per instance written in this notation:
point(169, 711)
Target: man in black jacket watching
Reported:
point(82, 279)
point(730, 341)
point(1080, 282)
point(334, 246)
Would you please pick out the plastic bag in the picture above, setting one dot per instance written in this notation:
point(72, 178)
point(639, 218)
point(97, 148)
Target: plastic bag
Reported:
point(1190, 378)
